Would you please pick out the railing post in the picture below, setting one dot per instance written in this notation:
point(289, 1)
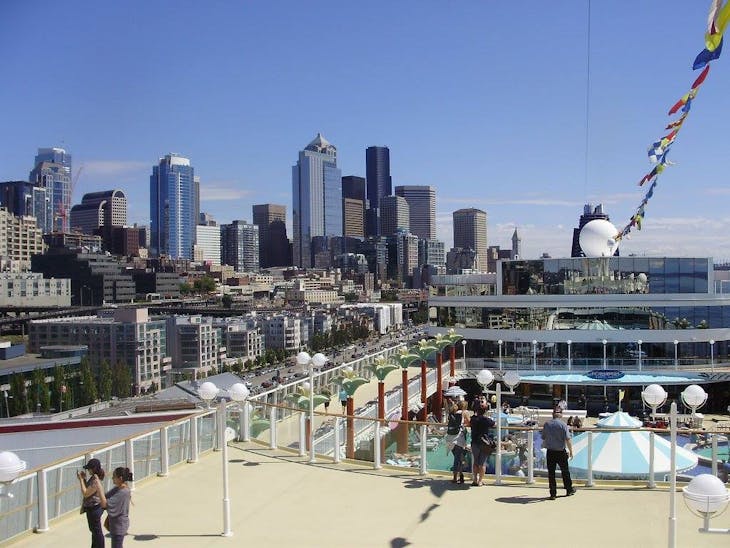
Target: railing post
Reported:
point(193, 452)
point(302, 435)
point(164, 453)
point(652, 481)
point(589, 480)
point(424, 465)
point(272, 428)
point(245, 433)
point(530, 457)
point(376, 446)
point(129, 459)
point(336, 441)
point(714, 454)
point(42, 478)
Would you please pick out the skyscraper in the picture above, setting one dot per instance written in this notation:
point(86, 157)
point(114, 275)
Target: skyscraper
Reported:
point(470, 231)
point(240, 246)
point(422, 209)
point(516, 246)
point(52, 171)
point(316, 197)
point(22, 198)
point(379, 184)
point(97, 209)
point(273, 242)
point(394, 215)
point(353, 206)
point(172, 208)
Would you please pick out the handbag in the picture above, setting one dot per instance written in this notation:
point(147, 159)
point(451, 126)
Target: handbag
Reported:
point(106, 523)
point(488, 441)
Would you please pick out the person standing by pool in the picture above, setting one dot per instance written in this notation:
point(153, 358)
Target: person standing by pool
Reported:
point(480, 450)
point(555, 440)
point(343, 400)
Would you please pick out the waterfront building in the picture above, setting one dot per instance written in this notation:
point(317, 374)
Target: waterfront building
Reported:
point(239, 246)
point(379, 184)
point(20, 240)
point(126, 335)
point(285, 331)
point(241, 339)
point(317, 198)
point(173, 208)
point(470, 232)
point(52, 171)
point(193, 345)
point(422, 209)
point(25, 199)
point(31, 289)
point(273, 241)
point(394, 215)
point(99, 209)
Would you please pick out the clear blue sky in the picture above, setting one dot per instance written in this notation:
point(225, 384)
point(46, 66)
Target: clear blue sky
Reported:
point(484, 100)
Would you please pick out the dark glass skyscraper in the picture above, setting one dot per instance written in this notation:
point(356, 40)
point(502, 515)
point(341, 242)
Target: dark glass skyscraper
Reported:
point(379, 184)
point(52, 171)
point(273, 243)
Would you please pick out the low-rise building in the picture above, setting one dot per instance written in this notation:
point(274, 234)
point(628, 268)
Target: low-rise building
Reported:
point(32, 290)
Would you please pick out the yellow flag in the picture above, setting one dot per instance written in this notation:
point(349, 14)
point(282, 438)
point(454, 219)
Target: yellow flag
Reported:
point(620, 395)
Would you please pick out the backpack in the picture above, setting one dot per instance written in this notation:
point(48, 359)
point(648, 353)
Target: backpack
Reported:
point(454, 424)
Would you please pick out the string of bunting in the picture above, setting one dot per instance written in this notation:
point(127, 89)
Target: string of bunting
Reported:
point(717, 20)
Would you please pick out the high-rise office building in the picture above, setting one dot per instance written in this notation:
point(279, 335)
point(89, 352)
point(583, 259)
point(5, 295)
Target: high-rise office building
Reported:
point(173, 208)
point(394, 215)
point(240, 246)
point(590, 213)
point(422, 208)
point(22, 199)
point(273, 241)
point(353, 206)
point(316, 197)
point(207, 248)
point(97, 209)
point(52, 171)
point(379, 184)
point(470, 231)
point(516, 246)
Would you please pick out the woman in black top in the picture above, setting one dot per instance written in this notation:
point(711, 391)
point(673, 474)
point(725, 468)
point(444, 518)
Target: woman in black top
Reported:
point(480, 425)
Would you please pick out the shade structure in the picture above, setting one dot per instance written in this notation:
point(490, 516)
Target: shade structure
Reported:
point(454, 392)
point(626, 455)
point(619, 420)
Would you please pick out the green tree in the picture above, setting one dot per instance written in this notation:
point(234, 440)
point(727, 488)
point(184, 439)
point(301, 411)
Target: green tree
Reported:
point(60, 391)
point(351, 297)
point(87, 383)
point(17, 401)
point(227, 301)
point(121, 380)
point(206, 284)
point(388, 295)
point(186, 288)
point(105, 381)
point(41, 396)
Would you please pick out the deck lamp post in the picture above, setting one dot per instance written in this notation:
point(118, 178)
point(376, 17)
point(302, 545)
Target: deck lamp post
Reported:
point(10, 468)
point(712, 354)
point(239, 393)
point(676, 363)
point(534, 355)
point(639, 354)
point(707, 497)
point(208, 391)
point(604, 341)
point(654, 396)
point(305, 360)
point(500, 342)
point(569, 364)
point(463, 353)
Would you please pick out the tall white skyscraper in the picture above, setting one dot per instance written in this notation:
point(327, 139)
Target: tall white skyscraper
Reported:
point(316, 198)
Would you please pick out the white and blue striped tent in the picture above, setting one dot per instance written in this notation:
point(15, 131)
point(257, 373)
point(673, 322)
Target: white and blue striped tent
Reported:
point(618, 454)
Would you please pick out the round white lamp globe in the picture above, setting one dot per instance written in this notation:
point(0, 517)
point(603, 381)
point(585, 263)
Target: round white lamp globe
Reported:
point(485, 377)
point(706, 494)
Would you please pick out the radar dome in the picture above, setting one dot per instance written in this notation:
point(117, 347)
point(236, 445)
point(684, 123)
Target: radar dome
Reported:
point(596, 239)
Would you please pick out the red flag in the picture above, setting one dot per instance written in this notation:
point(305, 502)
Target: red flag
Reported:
point(679, 104)
point(701, 77)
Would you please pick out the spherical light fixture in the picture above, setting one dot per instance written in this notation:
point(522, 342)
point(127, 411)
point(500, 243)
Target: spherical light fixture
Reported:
point(511, 379)
point(485, 377)
point(208, 391)
point(707, 497)
point(10, 468)
point(654, 395)
point(303, 358)
point(319, 359)
point(694, 397)
point(238, 392)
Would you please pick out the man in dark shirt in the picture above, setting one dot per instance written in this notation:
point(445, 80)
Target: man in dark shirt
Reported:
point(555, 439)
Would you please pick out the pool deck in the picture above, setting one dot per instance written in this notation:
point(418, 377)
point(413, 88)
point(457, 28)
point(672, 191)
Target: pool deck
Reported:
point(277, 499)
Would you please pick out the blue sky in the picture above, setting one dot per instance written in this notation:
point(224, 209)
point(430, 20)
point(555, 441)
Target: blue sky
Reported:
point(484, 100)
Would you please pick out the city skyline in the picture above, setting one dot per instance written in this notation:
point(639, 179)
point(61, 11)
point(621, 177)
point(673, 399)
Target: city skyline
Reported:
point(495, 124)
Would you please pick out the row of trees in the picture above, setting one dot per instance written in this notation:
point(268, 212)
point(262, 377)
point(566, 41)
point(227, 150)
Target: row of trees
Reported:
point(338, 336)
point(65, 391)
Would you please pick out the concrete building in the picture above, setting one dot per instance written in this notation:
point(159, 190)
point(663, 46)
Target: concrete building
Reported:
point(422, 209)
point(20, 239)
point(406, 257)
point(386, 316)
point(317, 198)
point(432, 252)
point(193, 345)
point(241, 339)
point(32, 290)
point(99, 209)
point(207, 247)
point(126, 336)
point(353, 219)
point(470, 232)
point(285, 331)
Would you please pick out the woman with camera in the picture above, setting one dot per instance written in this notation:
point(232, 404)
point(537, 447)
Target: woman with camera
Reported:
point(116, 502)
point(92, 491)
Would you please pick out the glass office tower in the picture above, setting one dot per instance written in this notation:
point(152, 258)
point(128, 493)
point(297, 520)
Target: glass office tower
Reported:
point(173, 211)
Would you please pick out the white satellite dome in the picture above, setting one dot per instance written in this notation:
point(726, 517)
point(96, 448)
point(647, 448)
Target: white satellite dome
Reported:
point(597, 238)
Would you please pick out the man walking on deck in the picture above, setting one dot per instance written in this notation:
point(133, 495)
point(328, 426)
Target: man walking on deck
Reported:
point(555, 439)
